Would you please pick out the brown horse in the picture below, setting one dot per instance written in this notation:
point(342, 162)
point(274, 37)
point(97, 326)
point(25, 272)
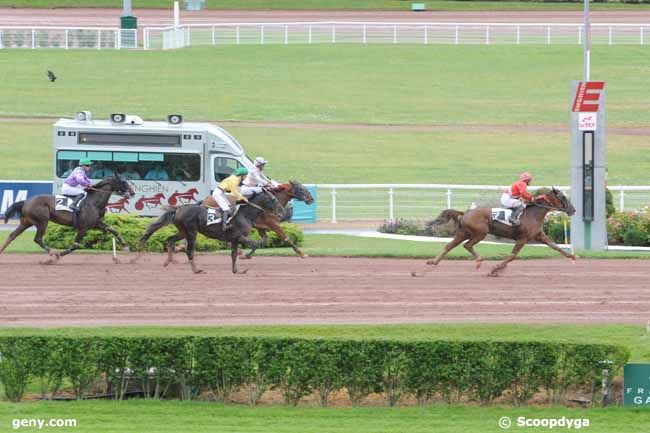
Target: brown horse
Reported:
point(40, 210)
point(476, 223)
point(271, 221)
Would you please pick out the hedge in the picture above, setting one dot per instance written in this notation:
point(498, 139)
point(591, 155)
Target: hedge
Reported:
point(183, 367)
point(132, 227)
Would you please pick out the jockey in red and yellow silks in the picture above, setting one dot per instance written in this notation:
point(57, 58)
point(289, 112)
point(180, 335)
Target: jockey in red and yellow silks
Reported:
point(516, 196)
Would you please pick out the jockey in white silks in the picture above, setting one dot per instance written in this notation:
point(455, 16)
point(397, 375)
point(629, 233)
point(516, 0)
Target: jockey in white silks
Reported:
point(256, 180)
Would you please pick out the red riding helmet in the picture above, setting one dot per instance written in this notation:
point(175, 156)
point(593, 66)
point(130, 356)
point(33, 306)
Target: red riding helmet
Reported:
point(525, 177)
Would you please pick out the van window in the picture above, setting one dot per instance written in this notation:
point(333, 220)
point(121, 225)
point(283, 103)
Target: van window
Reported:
point(179, 167)
point(224, 167)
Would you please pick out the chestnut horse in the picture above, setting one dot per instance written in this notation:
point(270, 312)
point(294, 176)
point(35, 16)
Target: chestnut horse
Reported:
point(271, 221)
point(475, 224)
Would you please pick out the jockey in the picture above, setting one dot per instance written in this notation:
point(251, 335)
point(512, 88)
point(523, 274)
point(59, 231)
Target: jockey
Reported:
point(517, 196)
point(76, 183)
point(256, 180)
point(229, 185)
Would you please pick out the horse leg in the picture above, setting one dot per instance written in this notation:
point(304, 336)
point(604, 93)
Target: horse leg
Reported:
point(460, 237)
point(171, 243)
point(501, 266)
point(265, 240)
point(19, 230)
point(469, 246)
point(191, 242)
point(275, 226)
point(234, 246)
point(76, 245)
point(542, 237)
point(108, 229)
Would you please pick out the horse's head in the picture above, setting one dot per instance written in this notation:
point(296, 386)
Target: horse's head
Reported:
point(299, 192)
point(116, 183)
point(561, 202)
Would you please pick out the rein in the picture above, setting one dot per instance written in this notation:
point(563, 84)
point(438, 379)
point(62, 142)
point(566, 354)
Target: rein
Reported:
point(543, 197)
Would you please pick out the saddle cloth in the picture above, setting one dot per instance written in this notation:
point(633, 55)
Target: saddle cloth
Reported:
point(502, 215)
point(214, 215)
point(63, 203)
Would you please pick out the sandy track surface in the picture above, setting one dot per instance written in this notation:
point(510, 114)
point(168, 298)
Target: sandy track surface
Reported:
point(162, 17)
point(317, 290)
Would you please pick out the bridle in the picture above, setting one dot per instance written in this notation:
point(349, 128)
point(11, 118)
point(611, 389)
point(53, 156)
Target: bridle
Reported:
point(545, 198)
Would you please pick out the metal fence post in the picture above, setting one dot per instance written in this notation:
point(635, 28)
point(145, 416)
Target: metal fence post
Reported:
point(456, 38)
point(334, 205)
point(99, 39)
point(395, 34)
point(117, 39)
point(213, 36)
point(286, 34)
point(1, 46)
point(641, 41)
point(66, 39)
point(621, 201)
point(262, 35)
point(365, 39)
point(426, 35)
point(33, 39)
point(518, 35)
point(579, 35)
point(333, 33)
point(487, 35)
point(135, 38)
point(237, 34)
point(310, 33)
point(548, 35)
point(610, 35)
point(391, 204)
point(449, 198)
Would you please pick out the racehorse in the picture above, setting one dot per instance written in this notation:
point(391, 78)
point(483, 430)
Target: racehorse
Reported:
point(475, 224)
point(193, 218)
point(39, 210)
point(271, 221)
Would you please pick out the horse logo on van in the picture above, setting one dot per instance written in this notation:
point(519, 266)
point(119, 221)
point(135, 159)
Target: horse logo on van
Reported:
point(150, 202)
point(182, 198)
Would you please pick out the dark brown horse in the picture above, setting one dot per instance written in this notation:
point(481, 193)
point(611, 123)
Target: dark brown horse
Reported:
point(41, 209)
point(271, 221)
point(476, 223)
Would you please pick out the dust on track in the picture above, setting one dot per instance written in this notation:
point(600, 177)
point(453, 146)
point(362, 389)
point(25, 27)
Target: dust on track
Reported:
point(278, 290)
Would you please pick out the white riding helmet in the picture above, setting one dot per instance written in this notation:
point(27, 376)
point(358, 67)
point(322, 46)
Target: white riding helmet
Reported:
point(260, 161)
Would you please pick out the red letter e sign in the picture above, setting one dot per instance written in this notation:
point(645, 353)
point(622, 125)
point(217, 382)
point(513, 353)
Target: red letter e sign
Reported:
point(587, 96)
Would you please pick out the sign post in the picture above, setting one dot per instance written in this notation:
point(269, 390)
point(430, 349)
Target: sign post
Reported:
point(588, 225)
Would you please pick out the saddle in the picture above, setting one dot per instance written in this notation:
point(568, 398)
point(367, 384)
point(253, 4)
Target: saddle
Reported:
point(501, 215)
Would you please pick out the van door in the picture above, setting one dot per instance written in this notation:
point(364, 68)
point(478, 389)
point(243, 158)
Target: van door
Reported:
point(222, 167)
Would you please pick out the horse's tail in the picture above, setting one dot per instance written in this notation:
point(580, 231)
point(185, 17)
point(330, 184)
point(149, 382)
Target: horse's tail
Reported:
point(446, 216)
point(164, 220)
point(14, 209)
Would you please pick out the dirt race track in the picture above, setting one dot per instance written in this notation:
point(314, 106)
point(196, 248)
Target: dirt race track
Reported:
point(317, 290)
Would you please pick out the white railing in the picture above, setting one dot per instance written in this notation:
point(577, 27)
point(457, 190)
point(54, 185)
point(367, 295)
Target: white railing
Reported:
point(421, 201)
point(98, 38)
point(400, 33)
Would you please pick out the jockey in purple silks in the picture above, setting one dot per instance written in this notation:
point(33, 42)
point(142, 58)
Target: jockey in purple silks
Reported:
point(77, 182)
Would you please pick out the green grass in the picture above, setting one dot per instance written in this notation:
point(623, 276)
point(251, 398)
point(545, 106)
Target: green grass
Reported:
point(398, 5)
point(371, 156)
point(460, 85)
point(633, 337)
point(195, 417)
point(317, 245)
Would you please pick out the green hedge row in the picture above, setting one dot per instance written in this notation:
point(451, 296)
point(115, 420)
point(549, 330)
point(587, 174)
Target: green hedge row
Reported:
point(183, 367)
point(132, 227)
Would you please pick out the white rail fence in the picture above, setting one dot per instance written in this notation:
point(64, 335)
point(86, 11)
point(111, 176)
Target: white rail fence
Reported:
point(338, 202)
point(98, 38)
point(396, 33)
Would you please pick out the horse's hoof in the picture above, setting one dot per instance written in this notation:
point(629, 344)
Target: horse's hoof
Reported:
point(431, 262)
point(414, 274)
point(493, 274)
point(246, 257)
point(478, 264)
point(303, 256)
point(166, 264)
point(199, 271)
point(116, 260)
point(54, 254)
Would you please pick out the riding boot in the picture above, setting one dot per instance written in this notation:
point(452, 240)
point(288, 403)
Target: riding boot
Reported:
point(515, 218)
point(75, 203)
point(225, 216)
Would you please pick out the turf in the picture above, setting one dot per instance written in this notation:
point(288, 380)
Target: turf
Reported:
point(398, 5)
point(336, 155)
point(460, 85)
point(195, 417)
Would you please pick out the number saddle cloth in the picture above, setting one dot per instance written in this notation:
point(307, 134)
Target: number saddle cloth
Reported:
point(502, 215)
point(214, 211)
point(63, 202)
